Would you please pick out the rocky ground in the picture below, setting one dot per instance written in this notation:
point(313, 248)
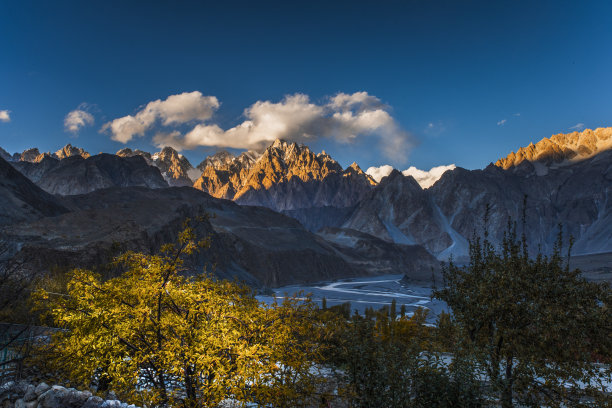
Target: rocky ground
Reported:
point(22, 394)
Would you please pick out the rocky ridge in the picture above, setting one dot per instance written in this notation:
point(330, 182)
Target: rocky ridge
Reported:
point(5, 155)
point(76, 175)
point(22, 200)
point(224, 174)
point(174, 167)
point(70, 151)
point(287, 176)
point(33, 155)
point(217, 160)
point(560, 149)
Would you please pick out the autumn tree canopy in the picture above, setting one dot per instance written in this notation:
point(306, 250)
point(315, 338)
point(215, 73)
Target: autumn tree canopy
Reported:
point(160, 338)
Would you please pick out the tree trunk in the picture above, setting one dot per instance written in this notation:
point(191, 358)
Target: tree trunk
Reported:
point(190, 387)
point(506, 398)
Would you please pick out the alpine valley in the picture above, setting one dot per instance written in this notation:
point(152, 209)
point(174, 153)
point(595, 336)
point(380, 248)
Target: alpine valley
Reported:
point(287, 215)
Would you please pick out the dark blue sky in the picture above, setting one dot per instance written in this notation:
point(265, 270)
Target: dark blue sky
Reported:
point(463, 67)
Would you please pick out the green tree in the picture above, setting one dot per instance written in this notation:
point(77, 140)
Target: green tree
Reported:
point(536, 327)
point(390, 362)
point(160, 338)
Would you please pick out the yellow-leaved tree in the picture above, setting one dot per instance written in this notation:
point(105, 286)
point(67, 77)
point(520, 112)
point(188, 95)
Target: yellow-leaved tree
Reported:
point(159, 338)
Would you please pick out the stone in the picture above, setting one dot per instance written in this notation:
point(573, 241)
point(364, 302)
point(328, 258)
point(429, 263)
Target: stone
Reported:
point(41, 389)
point(93, 402)
point(111, 404)
point(30, 394)
point(6, 389)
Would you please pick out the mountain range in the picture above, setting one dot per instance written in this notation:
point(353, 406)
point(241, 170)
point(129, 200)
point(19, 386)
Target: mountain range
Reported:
point(349, 224)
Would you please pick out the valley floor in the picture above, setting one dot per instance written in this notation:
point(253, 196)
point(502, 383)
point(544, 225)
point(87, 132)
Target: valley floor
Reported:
point(374, 292)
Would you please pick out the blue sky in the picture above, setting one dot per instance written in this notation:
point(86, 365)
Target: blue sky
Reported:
point(460, 82)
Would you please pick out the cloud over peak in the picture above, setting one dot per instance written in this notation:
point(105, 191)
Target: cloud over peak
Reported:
point(78, 119)
point(174, 110)
point(425, 179)
point(5, 116)
point(342, 117)
point(577, 127)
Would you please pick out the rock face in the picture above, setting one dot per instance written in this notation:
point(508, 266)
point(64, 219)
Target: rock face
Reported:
point(30, 155)
point(21, 200)
point(33, 155)
point(287, 176)
point(443, 217)
point(69, 151)
point(5, 155)
point(400, 211)
point(383, 257)
point(76, 175)
point(174, 167)
point(223, 175)
point(561, 149)
point(127, 152)
point(217, 160)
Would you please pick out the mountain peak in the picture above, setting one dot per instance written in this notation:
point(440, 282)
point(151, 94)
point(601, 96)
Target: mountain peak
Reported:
point(263, 179)
point(69, 151)
point(355, 167)
point(220, 159)
point(168, 151)
point(280, 144)
point(176, 168)
point(561, 149)
point(126, 151)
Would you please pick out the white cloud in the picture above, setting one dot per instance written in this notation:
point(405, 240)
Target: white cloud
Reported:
point(5, 116)
point(427, 178)
point(424, 178)
point(343, 117)
point(174, 110)
point(516, 114)
point(577, 126)
point(77, 119)
point(501, 122)
point(378, 173)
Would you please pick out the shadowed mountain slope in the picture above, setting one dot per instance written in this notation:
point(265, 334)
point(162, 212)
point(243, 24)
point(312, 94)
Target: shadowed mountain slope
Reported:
point(22, 200)
point(76, 175)
point(443, 217)
point(253, 244)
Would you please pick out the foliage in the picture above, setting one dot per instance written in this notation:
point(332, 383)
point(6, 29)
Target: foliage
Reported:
point(536, 327)
point(159, 338)
point(390, 361)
